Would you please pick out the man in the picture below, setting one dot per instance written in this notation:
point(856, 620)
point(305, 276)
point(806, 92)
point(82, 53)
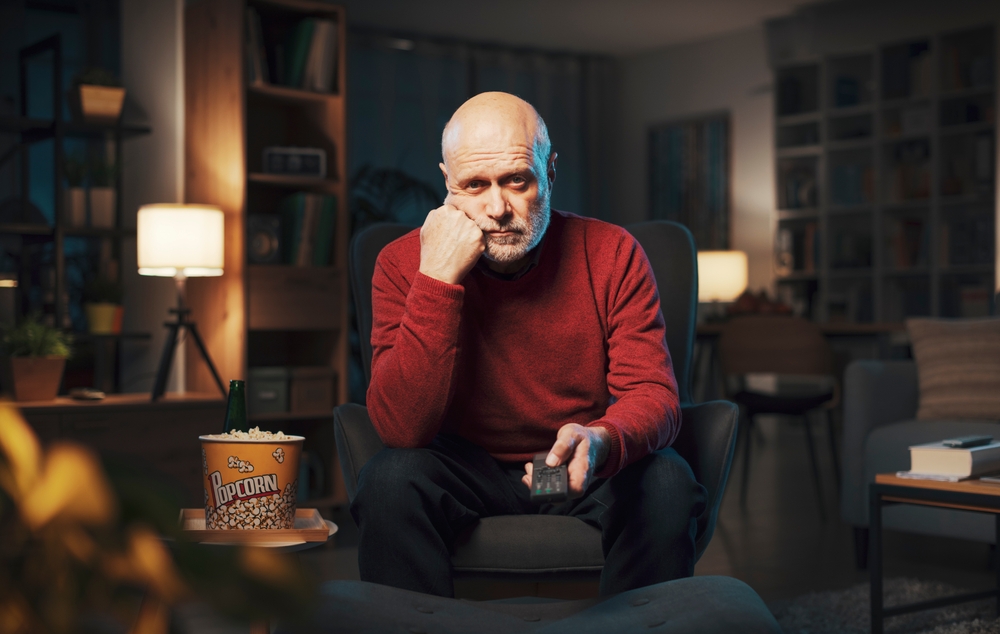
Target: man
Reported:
point(501, 330)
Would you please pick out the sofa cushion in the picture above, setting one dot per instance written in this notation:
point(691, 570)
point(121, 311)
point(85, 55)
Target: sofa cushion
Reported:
point(958, 366)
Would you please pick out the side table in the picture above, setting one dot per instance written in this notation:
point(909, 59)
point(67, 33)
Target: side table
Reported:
point(967, 495)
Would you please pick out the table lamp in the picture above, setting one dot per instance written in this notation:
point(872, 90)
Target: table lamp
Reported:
point(722, 277)
point(180, 241)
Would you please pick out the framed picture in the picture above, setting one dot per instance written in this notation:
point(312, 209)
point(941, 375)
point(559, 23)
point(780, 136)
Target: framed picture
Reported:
point(689, 177)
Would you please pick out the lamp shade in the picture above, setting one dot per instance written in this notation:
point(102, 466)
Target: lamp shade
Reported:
point(180, 240)
point(722, 275)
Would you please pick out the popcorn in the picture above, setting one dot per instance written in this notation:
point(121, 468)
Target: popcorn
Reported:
point(279, 455)
point(243, 466)
point(253, 434)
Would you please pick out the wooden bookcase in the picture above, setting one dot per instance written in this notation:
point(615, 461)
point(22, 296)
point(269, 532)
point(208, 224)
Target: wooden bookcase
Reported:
point(258, 315)
point(885, 180)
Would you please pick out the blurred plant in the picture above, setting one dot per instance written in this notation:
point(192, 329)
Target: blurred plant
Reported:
point(75, 170)
point(102, 173)
point(32, 338)
point(79, 542)
point(101, 290)
point(390, 195)
point(96, 77)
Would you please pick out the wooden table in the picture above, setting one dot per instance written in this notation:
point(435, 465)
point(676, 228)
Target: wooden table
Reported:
point(966, 495)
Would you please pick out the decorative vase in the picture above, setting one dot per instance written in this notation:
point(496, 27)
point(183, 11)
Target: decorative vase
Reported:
point(102, 207)
point(104, 318)
point(33, 378)
point(76, 206)
point(101, 104)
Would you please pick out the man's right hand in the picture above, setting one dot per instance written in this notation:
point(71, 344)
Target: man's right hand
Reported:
point(450, 244)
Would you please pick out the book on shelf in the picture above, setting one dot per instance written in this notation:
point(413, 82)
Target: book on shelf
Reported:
point(797, 249)
point(309, 222)
point(305, 57)
point(908, 238)
point(937, 459)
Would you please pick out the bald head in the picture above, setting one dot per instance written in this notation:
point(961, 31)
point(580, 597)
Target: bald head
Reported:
point(494, 121)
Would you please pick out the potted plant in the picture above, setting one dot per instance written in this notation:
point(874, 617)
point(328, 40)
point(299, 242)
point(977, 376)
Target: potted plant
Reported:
point(76, 195)
point(102, 194)
point(34, 358)
point(102, 303)
point(97, 96)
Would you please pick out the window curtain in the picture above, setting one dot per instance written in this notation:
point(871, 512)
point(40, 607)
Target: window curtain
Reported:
point(403, 91)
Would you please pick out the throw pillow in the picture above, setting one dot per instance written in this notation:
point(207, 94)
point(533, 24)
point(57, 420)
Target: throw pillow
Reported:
point(958, 366)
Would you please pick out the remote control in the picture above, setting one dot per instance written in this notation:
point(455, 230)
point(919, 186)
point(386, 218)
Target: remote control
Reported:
point(963, 442)
point(548, 484)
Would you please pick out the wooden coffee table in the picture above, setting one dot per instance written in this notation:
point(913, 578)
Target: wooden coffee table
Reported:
point(967, 495)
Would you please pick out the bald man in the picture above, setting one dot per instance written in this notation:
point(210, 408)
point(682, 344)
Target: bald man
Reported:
point(502, 329)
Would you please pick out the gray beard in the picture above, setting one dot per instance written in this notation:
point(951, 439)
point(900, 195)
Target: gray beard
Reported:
point(527, 234)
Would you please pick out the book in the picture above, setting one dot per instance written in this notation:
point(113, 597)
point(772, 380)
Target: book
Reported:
point(320, 67)
point(297, 52)
point(307, 236)
point(257, 72)
point(938, 460)
point(325, 231)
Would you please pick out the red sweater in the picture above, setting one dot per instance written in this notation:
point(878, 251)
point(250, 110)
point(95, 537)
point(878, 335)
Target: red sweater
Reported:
point(579, 339)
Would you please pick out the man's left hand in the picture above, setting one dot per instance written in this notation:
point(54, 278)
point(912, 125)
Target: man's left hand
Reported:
point(585, 448)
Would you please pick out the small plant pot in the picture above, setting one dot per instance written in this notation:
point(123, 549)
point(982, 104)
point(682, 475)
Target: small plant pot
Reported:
point(33, 378)
point(102, 207)
point(76, 206)
point(104, 318)
point(101, 104)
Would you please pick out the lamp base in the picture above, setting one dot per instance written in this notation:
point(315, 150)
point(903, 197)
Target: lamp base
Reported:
point(170, 346)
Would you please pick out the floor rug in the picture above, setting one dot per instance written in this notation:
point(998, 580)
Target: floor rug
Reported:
point(847, 611)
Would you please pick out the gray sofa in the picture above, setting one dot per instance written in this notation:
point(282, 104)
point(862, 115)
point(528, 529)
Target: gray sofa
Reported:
point(880, 409)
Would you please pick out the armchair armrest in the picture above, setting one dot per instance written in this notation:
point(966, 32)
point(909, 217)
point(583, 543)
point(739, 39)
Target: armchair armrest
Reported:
point(357, 442)
point(706, 440)
point(876, 393)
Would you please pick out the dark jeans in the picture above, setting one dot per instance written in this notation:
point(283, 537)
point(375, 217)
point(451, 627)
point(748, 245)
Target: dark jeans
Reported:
point(411, 504)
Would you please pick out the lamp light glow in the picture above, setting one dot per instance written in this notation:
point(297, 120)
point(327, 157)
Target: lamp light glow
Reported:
point(176, 240)
point(722, 275)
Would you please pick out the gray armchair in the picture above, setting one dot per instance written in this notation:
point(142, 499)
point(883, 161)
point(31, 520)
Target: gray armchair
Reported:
point(880, 408)
point(561, 548)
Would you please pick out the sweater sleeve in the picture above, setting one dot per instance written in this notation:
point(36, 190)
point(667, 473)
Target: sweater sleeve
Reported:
point(415, 329)
point(645, 412)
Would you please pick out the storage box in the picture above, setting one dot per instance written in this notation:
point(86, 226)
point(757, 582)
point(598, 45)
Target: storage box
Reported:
point(267, 390)
point(311, 390)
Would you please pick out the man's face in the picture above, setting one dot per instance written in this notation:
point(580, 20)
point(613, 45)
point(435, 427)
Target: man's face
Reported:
point(494, 175)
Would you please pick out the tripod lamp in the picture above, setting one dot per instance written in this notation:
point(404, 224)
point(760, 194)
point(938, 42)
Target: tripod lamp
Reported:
point(180, 241)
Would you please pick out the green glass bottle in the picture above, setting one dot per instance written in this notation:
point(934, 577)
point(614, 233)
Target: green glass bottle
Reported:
point(236, 408)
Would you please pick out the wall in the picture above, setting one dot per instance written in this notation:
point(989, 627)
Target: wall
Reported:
point(153, 170)
point(726, 73)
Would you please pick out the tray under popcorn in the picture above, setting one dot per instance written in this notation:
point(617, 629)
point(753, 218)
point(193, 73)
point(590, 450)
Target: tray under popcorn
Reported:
point(309, 527)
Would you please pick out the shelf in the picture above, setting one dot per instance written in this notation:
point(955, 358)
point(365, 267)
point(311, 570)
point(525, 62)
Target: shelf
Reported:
point(849, 111)
point(914, 271)
point(286, 93)
point(296, 182)
point(906, 101)
point(849, 210)
point(806, 117)
point(797, 214)
point(97, 232)
point(93, 336)
point(849, 272)
point(38, 129)
point(797, 277)
point(966, 128)
point(288, 417)
point(305, 6)
point(967, 269)
point(801, 150)
point(967, 92)
point(922, 204)
point(25, 229)
point(860, 143)
point(950, 201)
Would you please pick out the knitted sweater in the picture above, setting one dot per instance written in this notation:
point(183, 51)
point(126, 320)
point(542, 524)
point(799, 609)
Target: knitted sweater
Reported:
point(579, 339)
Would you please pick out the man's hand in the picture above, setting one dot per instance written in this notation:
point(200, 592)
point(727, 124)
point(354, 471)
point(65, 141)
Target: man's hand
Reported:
point(450, 244)
point(586, 449)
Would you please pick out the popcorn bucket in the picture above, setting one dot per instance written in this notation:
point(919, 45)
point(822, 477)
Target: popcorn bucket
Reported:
point(250, 480)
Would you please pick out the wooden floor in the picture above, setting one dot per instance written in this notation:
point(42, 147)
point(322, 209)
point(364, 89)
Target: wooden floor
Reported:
point(778, 544)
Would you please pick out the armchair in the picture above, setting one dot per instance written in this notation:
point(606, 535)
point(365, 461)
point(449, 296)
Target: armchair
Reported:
point(880, 408)
point(561, 548)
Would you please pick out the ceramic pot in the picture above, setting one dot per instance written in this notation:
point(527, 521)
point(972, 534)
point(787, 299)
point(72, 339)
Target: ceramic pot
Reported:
point(33, 378)
point(101, 103)
point(102, 207)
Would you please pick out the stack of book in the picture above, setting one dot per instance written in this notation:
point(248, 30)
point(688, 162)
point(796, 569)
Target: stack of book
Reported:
point(309, 221)
point(305, 57)
point(943, 461)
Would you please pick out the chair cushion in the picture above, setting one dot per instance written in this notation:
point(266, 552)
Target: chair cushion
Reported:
point(958, 366)
point(698, 604)
point(558, 545)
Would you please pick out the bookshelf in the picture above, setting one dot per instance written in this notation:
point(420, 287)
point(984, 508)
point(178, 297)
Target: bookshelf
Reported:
point(259, 315)
point(885, 180)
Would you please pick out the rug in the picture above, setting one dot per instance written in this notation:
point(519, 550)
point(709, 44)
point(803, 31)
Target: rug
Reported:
point(847, 611)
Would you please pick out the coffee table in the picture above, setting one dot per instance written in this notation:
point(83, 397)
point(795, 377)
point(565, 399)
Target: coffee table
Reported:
point(966, 495)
